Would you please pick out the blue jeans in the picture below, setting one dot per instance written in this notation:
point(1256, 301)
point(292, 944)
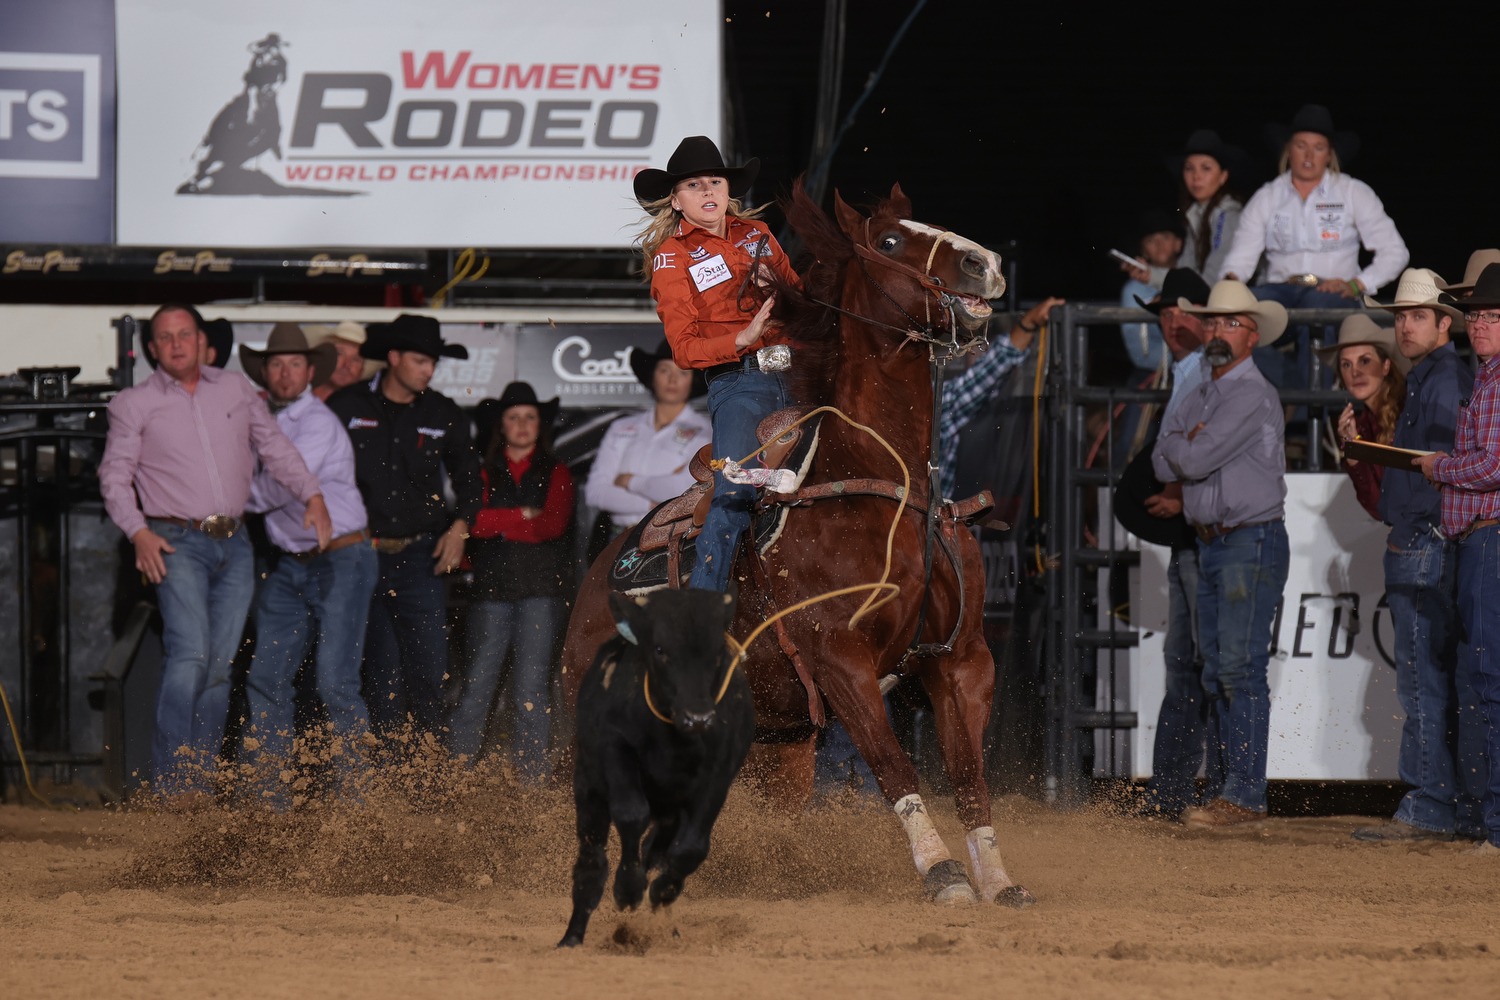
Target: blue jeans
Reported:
point(406, 642)
point(1180, 725)
point(1291, 373)
point(1420, 568)
point(203, 599)
point(1479, 680)
point(529, 627)
point(737, 402)
point(1241, 577)
point(328, 598)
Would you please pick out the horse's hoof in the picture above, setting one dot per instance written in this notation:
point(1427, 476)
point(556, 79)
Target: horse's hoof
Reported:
point(1016, 897)
point(947, 884)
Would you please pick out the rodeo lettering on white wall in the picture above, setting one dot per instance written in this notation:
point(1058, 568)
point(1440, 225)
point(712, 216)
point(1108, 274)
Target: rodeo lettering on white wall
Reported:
point(503, 124)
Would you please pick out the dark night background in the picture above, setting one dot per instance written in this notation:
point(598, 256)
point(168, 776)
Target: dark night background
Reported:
point(1048, 124)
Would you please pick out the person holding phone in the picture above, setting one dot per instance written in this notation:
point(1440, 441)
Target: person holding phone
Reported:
point(1368, 366)
point(710, 262)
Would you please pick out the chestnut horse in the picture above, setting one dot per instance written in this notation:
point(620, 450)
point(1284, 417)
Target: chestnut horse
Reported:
point(886, 302)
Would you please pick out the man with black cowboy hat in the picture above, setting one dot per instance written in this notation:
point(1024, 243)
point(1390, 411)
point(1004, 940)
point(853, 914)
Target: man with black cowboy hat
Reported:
point(175, 477)
point(1420, 567)
point(710, 264)
point(1224, 443)
point(405, 437)
point(310, 593)
point(1470, 482)
point(643, 458)
point(1152, 511)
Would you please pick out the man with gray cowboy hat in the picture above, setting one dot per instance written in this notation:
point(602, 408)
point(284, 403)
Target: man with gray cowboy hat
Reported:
point(1420, 570)
point(1470, 482)
point(1478, 261)
point(1224, 443)
point(347, 338)
point(406, 436)
point(310, 594)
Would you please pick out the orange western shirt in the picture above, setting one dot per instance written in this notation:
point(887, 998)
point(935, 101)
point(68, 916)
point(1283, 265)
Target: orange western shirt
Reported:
point(702, 297)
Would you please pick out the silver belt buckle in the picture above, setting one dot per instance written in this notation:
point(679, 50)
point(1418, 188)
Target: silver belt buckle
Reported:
point(776, 358)
point(219, 526)
point(1305, 280)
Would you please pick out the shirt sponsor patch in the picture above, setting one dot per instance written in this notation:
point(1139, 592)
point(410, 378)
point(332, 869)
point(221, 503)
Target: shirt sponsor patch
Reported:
point(433, 432)
point(708, 273)
point(698, 253)
point(362, 423)
point(663, 261)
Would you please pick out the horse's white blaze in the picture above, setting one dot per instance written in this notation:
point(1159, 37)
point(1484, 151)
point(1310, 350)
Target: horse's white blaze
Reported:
point(984, 856)
point(927, 847)
point(994, 279)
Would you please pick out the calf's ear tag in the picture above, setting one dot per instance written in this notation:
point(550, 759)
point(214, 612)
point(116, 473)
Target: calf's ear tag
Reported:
point(624, 629)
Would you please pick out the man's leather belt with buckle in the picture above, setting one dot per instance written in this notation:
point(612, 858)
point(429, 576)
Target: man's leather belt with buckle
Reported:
point(219, 526)
point(1488, 522)
point(776, 358)
point(1208, 532)
point(1305, 280)
point(391, 546)
point(341, 542)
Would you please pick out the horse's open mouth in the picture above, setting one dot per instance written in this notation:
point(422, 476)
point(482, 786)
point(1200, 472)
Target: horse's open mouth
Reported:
point(971, 309)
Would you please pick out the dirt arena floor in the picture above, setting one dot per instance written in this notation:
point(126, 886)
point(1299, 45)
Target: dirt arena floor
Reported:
point(462, 891)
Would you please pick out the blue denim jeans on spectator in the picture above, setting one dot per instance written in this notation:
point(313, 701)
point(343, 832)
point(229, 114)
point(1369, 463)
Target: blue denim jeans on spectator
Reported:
point(325, 599)
point(1479, 680)
point(528, 627)
point(1420, 570)
point(1177, 755)
point(737, 403)
point(406, 642)
point(1240, 579)
point(204, 599)
point(1291, 372)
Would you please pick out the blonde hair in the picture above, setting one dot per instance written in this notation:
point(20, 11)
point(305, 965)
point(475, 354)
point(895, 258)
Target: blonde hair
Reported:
point(663, 220)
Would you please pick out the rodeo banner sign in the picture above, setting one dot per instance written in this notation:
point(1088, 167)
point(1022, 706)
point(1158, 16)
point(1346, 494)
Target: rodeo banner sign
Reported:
point(469, 123)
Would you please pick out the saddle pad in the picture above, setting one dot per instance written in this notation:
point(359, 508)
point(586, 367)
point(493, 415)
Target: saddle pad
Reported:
point(638, 571)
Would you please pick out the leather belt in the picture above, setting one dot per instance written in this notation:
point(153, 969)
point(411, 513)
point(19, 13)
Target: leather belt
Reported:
point(219, 526)
point(774, 358)
point(1208, 532)
point(1488, 522)
point(391, 546)
point(748, 363)
point(341, 542)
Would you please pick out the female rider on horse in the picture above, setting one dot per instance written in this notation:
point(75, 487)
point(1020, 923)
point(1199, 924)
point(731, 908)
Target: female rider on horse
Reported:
point(705, 252)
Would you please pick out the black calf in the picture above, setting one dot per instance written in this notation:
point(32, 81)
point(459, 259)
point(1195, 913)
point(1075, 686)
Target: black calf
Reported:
point(657, 746)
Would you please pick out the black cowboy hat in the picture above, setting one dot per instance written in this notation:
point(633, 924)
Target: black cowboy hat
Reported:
point(489, 411)
point(1158, 220)
point(644, 363)
point(1486, 293)
point(1206, 142)
point(288, 338)
point(220, 334)
point(409, 332)
point(1138, 483)
point(1315, 118)
point(1180, 283)
point(695, 156)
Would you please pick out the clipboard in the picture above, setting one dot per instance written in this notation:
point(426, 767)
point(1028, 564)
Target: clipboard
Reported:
point(1382, 454)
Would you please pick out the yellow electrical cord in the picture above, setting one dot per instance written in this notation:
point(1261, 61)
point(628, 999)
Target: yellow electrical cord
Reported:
point(15, 734)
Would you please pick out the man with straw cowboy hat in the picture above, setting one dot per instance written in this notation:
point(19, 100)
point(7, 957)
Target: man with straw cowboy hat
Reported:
point(347, 338)
point(1421, 562)
point(309, 594)
point(1224, 443)
point(1470, 482)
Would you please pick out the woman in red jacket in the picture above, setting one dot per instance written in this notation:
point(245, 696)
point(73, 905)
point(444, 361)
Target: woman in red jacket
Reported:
point(1368, 366)
point(709, 259)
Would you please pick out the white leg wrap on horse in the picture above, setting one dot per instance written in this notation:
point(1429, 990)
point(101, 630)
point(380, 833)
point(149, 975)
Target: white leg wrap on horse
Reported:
point(984, 855)
point(927, 848)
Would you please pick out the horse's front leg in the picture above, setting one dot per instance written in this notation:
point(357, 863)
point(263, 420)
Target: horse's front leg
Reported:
point(961, 687)
point(856, 700)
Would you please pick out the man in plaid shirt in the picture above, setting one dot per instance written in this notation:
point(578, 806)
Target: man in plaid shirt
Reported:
point(967, 392)
point(1470, 482)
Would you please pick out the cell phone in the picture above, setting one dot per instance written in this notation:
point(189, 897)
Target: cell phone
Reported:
point(1124, 258)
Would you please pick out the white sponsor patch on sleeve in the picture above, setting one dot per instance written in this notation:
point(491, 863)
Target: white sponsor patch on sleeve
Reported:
point(708, 273)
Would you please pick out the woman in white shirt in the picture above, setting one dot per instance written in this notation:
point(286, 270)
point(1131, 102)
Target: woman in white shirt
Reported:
point(643, 458)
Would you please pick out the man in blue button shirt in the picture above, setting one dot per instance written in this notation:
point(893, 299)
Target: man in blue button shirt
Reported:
point(1420, 568)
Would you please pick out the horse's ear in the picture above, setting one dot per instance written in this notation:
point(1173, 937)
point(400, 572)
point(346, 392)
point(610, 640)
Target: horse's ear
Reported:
point(850, 221)
point(900, 204)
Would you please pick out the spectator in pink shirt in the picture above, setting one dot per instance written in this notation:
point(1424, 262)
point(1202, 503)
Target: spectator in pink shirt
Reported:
point(176, 473)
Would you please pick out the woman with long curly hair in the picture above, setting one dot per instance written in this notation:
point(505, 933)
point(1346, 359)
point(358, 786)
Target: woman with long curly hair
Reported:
point(1370, 368)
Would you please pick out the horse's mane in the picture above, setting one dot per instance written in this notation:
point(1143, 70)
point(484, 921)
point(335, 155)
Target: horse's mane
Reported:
point(813, 326)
